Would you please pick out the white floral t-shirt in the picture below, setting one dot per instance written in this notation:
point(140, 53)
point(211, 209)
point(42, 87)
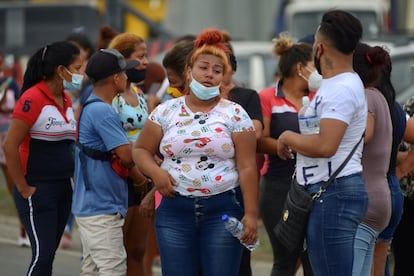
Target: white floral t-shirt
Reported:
point(197, 147)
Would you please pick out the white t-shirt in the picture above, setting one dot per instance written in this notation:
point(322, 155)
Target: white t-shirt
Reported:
point(198, 148)
point(342, 98)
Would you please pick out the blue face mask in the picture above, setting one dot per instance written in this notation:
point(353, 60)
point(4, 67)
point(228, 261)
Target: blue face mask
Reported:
point(203, 92)
point(76, 83)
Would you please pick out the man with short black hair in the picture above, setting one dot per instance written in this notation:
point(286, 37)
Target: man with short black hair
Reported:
point(341, 107)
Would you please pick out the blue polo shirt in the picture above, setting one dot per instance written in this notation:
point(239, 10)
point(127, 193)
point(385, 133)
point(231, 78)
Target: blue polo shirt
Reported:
point(100, 129)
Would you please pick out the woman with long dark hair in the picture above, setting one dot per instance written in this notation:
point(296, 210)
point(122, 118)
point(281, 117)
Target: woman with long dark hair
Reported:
point(39, 149)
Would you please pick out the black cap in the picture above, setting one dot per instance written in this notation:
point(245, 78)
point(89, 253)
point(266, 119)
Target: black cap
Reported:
point(107, 62)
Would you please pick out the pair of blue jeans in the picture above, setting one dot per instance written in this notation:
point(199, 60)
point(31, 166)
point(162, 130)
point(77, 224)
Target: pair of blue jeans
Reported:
point(365, 239)
point(333, 223)
point(192, 238)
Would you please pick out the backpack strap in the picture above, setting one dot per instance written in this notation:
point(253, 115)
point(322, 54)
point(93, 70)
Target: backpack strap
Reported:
point(85, 151)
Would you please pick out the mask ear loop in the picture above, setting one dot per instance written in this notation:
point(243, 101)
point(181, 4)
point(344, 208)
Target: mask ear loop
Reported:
point(309, 69)
point(300, 74)
point(299, 69)
point(67, 70)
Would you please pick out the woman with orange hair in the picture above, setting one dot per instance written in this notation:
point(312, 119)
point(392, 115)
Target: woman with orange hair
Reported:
point(209, 169)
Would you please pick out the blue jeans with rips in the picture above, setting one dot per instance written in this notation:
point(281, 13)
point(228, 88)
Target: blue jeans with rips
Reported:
point(333, 223)
point(192, 238)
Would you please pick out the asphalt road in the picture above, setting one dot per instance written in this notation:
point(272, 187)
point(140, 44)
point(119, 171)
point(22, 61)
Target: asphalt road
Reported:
point(14, 260)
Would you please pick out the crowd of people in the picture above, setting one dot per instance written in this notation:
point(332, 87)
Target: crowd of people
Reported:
point(146, 158)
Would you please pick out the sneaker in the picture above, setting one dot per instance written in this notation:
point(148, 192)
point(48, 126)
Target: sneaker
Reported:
point(23, 241)
point(65, 241)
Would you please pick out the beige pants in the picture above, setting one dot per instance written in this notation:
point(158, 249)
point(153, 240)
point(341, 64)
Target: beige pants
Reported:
point(103, 251)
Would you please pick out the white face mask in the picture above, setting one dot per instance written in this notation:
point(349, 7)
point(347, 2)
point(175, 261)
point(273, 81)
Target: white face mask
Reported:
point(314, 80)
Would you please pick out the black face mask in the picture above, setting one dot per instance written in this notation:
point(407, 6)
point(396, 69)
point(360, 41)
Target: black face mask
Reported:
point(317, 62)
point(135, 75)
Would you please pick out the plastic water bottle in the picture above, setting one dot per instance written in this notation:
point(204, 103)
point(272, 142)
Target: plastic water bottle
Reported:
point(236, 228)
point(308, 120)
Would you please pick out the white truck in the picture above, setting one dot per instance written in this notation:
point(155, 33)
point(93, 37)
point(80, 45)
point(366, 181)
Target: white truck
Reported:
point(301, 17)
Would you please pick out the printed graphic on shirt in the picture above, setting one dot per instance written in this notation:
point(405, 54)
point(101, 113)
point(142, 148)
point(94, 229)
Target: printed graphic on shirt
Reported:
point(132, 117)
point(26, 106)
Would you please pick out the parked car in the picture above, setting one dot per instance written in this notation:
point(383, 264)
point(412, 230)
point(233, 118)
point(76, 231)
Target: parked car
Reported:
point(302, 17)
point(257, 66)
